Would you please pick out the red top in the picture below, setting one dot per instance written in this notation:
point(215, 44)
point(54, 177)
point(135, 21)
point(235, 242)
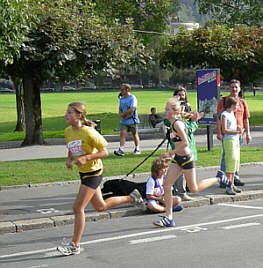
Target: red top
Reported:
point(241, 112)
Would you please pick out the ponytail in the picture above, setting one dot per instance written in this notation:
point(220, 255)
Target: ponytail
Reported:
point(88, 123)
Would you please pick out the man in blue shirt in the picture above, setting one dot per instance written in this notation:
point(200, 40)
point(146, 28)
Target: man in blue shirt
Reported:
point(129, 119)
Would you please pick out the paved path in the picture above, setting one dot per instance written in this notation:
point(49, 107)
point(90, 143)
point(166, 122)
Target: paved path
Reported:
point(58, 149)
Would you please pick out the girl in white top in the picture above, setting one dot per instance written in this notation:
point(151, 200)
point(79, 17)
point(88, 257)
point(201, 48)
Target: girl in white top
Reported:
point(231, 148)
point(155, 191)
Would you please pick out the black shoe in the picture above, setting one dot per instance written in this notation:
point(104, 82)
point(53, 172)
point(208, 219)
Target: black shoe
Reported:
point(238, 182)
point(237, 190)
point(119, 153)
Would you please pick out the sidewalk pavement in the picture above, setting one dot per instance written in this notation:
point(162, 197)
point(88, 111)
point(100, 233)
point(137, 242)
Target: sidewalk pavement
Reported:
point(55, 148)
point(50, 205)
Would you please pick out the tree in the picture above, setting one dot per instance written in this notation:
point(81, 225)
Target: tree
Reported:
point(14, 26)
point(68, 39)
point(247, 12)
point(20, 109)
point(147, 15)
point(238, 52)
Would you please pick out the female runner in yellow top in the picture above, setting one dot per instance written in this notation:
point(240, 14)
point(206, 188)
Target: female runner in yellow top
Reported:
point(86, 147)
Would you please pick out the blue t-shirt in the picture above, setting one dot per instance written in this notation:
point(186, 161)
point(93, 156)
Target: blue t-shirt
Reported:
point(125, 104)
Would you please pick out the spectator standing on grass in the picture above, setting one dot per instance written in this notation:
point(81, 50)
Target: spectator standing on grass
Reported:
point(155, 119)
point(86, 147)
point(129, 119)
point(242, 116)
point(231, 132)
point(155, 191)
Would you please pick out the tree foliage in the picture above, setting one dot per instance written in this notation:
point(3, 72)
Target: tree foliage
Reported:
point(14, 26)
point(147, 15)
point(68, 39)
point(247, 12)
point(238, 52)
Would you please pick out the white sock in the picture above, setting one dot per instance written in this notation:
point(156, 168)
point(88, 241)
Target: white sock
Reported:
point(122, 148)
point(137, 148)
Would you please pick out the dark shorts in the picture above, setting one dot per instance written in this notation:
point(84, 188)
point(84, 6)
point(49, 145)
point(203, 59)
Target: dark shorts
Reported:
point(91, 179)
point(185, 161)
point(133, 128)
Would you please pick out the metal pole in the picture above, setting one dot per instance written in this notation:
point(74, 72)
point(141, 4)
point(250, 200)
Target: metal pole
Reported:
point(209, 138)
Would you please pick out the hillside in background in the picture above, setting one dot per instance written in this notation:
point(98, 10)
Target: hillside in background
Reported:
point(188, 12)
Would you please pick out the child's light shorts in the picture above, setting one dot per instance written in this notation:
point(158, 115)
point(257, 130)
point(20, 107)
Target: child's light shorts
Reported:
point(232, 155)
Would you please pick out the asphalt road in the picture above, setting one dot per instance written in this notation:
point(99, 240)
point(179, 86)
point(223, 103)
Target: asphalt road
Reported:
point(224, 235)
point(56, 199)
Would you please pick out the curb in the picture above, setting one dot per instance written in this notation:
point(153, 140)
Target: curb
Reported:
point(60, 220)
point(56, 221)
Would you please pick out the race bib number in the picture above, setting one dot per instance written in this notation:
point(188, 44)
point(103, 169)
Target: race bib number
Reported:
point(75, 148)
point(172, 135)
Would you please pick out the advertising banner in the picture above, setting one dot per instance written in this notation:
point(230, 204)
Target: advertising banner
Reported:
point(208, 82)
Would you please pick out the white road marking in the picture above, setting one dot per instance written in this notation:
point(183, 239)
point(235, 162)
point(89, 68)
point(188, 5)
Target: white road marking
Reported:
point(39, 266)
point(151, 239)
point(239, 206)
point(194, 229)
point(241, 225)
point(161, 230)
point(25, 253)
point(47, 210)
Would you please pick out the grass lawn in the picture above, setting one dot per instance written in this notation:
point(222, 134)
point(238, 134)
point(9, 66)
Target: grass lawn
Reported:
point(102, 105)
point(53, 170)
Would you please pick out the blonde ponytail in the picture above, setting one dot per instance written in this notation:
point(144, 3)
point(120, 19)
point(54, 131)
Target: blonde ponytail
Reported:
point(88, 122)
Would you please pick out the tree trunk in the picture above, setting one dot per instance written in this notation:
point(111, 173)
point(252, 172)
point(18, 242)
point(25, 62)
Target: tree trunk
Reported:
point(33, 117)
point(20, 124)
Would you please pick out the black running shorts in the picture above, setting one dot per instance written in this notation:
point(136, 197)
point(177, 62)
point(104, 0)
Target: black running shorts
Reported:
point(91, 179)
point(185, 161)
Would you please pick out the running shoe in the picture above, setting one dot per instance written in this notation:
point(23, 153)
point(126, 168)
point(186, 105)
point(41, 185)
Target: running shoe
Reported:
point(136, 151)
point(236, 189)
point(69, 249)
point(230, 191)
point(137, 198)
point(238, 182)
point(164, 222)
point(177, 208)
point(223, 180)
point(119, 153)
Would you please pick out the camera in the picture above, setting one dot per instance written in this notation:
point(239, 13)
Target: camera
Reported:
point(185, 106)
